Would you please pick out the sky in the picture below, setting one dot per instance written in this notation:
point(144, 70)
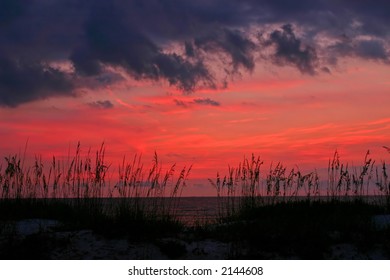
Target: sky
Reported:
point(201, 82)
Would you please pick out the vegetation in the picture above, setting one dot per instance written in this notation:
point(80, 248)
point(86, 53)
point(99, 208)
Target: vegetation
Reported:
point(291, 215)
point(280, 213)
point(76, 192)
point(245, 187)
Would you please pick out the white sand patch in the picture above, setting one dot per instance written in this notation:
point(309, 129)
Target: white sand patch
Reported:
point(34, 226)
point(346, 251)
point(381, 221)
point(86, 245)
point(207, 250)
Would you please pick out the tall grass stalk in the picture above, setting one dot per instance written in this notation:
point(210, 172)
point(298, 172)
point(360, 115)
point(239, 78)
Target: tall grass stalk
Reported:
point(247, 187)
point(80, 182)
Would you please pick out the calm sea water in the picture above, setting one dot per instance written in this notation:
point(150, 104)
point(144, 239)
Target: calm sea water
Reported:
point(190, 210)
point(193, 210)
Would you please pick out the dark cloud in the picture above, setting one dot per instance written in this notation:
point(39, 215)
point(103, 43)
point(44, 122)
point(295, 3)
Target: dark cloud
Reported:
point(111, 42)
point(183, 74)
point(289, 50)
point(21, 82)
point(197, 101)
point(142, 38)
point(108, 78)
point(333, 16)
point(189, 49)
point(32, 41)
point(9, 10)
point(206, 101)
point(372, 49)
point(101, 104)
point(374, 16)
point(233, 43)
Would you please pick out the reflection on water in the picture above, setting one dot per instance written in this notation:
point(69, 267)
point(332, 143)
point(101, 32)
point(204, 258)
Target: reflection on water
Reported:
point(192, 210)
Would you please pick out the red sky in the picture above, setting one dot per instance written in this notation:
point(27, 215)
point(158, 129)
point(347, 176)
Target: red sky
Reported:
point(281, 117)
point(200, 83)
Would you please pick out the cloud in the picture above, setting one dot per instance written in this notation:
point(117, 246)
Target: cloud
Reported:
point(289, 50)
point(233, 43)
point(10, 9)
point(111, 42)
point(21, 82)
point(372, 49)
point(108, 78)
point(197, 101)
point(206, 101)
point(176, 42)
point(101, 104)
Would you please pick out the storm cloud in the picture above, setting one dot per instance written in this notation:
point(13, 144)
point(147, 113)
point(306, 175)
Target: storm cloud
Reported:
point(21, 82)
point(176, 42)
point(110, 42)
point(235, 44)
point(289, 50)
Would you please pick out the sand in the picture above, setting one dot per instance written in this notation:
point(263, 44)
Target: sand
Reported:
point(48, 239)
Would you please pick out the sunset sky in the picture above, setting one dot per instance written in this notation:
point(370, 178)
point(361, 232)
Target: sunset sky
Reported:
point(200, 82)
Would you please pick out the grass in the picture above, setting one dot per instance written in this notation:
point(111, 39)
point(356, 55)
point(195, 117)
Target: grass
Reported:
point(246, 187)
point(300, 229)
point(75, 192)
point(288, 214)
point(279, 213)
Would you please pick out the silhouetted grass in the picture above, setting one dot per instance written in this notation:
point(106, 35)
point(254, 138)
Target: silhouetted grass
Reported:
point(75, 191)
point(246, 186)
point(287, 214)
point(279, 213)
